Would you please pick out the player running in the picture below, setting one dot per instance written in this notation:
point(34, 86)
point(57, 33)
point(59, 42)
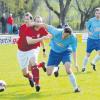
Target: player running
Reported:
point(93, 41)
point(60, 51)
point(30, 37)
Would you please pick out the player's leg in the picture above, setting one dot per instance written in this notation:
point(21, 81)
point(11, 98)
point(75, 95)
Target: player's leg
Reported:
point(23, 62)
point(71, 76)
point(53, 62)
point(85, 61)
point(41, 64)
point(89, 49)
point(29, 76)
point(96, 58)
point(35, 73)
point(66, 59)
point(56, 71)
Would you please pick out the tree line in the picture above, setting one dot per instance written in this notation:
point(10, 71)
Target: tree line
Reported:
point(84, 8)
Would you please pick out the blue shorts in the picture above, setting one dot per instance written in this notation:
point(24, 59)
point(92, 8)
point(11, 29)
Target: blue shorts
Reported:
point(93, 44)
point(55, 58)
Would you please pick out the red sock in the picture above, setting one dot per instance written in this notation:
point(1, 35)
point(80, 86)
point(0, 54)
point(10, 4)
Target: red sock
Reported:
point(29, 76)
point(35, 72)
point(40, 65)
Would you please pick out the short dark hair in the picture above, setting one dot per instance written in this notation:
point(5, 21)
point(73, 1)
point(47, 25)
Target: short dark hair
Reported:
point(97, 9)
point(30, 16)
point(67, 30)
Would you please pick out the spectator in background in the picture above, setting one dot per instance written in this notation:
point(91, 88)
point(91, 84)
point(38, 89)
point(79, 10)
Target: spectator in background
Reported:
point(15, 29)
point(3, 21)
point(10, 22)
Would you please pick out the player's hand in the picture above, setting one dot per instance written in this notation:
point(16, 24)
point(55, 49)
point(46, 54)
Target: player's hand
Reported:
point(47, 36)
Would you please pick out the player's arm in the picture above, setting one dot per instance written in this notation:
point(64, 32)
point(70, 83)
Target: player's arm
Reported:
point(74, 52)
point(75, 58)
point(30, 40)
point(51, 29)
point(43, 48)
point(88, 27)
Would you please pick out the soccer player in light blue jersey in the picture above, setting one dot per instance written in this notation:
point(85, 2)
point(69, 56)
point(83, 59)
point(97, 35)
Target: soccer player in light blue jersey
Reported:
point(93, 41)
point(62, 40)
point(61, 43)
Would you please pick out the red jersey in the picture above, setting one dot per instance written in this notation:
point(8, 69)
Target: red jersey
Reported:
point(25, 31)
point(10, 20)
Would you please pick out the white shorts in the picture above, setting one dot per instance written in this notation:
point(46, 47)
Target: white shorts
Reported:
point(24, 57)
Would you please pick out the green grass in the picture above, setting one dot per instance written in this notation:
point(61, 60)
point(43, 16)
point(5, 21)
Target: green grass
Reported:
point(51, 88)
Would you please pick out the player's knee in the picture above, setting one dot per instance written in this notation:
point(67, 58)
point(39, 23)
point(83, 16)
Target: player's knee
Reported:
point(88, 55)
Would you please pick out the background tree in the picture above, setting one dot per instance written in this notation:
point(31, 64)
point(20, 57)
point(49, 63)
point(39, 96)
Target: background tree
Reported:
point(64, 6)
point(86, 9)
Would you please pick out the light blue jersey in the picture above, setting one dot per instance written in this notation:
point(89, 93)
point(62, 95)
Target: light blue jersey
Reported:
point(93, 26)
point(60, 45)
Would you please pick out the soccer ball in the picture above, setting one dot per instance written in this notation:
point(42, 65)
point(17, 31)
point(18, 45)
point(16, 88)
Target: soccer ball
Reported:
point(2, 85)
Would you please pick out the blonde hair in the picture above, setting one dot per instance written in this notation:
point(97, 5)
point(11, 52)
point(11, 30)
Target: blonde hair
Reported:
point(38, 19)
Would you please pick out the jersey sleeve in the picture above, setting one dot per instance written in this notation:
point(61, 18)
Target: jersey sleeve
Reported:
point(88, 25)
point(74, 44)
point(22, 30)
point(53, 30)
point(43, 31)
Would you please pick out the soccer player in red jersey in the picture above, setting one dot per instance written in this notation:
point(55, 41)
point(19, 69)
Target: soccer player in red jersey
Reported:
point(28, 48)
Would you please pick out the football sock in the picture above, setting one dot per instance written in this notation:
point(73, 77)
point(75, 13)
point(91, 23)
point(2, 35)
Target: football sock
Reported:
point(73, 80)
point(40, 65)
point(85, 62)
point(35, 73)
point(97, 58)
point(55, 69)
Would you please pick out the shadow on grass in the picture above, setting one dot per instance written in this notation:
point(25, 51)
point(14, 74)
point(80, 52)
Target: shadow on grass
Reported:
point(87, 72)
point(16, 85)
point(35, 96)
point(76, 73)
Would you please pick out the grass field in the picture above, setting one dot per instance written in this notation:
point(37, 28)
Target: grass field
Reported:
point(51, 88)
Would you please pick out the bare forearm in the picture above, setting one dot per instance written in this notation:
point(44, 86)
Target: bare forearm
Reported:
point(33, 41)
point(75, 58)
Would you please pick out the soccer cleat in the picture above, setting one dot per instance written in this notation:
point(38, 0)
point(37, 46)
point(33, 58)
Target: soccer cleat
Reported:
point(93, 66)
point(56, 74)
point(37, 87)
point(83, 69)
point(44, 68)
point(77, 90)
point(31, 81)
point(1, 90)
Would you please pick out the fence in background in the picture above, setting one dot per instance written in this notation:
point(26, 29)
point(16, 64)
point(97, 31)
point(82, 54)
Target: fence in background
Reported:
point(12, 39)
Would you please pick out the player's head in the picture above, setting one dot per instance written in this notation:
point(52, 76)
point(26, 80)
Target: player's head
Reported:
point(10, 14)
point(37, 20)
point(4, 14)
point(97, 13)
point(28, 17)
point(67, 32)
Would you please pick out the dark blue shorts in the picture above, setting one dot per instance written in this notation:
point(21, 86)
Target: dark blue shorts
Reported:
point(55, 58)
point(93, 44)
